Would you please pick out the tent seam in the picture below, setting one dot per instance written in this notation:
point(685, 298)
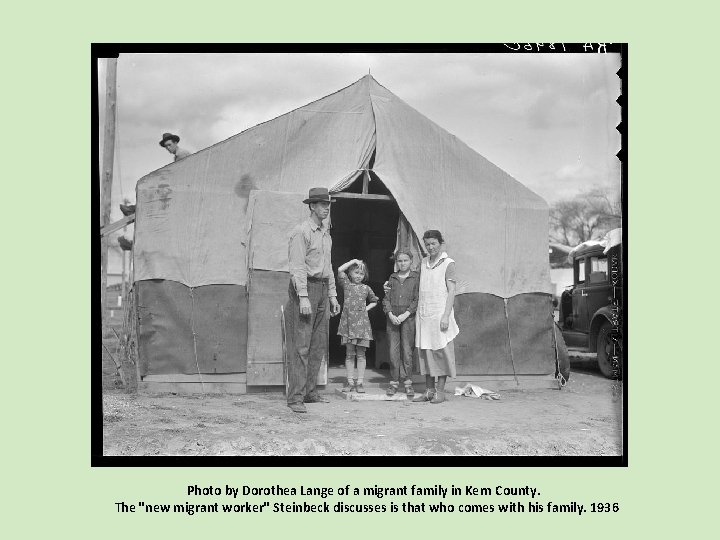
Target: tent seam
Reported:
point(374, 124)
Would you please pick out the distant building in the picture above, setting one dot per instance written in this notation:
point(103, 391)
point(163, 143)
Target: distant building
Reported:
point(115, 263)
point(561, 273)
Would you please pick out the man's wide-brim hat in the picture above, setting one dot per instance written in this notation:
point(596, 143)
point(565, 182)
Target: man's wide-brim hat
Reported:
point(169, 137)
point(318, 194)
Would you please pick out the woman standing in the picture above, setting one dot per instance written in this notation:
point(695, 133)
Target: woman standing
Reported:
point(435, 322)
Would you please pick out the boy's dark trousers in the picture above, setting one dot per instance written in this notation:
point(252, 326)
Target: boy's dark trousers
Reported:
point(401, 340)
point(307, 339)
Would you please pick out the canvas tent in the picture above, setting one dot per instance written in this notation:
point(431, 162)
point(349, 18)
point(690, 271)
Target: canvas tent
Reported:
point(211, 237)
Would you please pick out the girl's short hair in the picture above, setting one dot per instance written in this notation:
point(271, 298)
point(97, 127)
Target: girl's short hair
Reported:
point(432, 233)
point(362, 266)
point(403, 251)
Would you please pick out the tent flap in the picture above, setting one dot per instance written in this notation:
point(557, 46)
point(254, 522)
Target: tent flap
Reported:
point(271, 217)
point(268, 291)
point(490, 221)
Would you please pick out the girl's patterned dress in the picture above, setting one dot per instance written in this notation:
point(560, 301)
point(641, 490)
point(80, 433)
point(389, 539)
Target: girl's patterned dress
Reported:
point(354, 322)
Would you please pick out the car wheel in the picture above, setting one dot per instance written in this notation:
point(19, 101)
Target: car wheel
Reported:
point(609, 353)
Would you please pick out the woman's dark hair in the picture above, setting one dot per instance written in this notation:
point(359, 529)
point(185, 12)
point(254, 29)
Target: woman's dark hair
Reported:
point(432, 233)
point(363, 267)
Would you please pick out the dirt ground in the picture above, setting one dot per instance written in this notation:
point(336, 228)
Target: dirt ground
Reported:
point(584, 418)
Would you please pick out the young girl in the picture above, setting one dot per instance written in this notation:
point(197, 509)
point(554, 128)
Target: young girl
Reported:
point(354, 329)
point(400, 304)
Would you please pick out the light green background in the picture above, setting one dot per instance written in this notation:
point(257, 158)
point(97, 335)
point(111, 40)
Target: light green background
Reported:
point(49, 489)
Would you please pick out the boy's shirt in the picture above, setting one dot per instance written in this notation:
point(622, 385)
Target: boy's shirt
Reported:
point(403, 295)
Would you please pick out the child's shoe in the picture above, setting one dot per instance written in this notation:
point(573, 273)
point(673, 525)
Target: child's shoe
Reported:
point(410, 391)
point(359, 388)
point(349, 385)
point(392, 389)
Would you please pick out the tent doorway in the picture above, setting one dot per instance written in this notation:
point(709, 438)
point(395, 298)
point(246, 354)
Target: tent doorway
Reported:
point(364, 227)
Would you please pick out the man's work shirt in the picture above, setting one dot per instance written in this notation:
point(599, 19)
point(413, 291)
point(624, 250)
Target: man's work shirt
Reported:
point(181, 153)
point(309, 256)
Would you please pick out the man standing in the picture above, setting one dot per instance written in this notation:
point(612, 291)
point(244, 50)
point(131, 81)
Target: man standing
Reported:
point(170, 143)
point(312, 287)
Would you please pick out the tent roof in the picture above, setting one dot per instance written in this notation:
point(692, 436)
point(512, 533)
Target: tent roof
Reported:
point(190, 220)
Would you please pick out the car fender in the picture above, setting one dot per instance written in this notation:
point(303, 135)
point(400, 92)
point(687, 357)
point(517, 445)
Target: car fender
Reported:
point(601, 315)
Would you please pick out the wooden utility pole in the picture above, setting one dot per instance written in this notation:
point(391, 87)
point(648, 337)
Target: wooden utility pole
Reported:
point(106, 175)
point(122, 295)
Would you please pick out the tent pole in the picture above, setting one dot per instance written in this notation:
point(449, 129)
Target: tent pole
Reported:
point(106, 177)
point(123, 272)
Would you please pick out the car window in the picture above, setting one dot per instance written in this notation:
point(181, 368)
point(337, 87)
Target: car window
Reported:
point(598, 269)
point(598, 264)
point(580, 270)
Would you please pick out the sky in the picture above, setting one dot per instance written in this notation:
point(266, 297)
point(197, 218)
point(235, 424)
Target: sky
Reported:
point(546, 119)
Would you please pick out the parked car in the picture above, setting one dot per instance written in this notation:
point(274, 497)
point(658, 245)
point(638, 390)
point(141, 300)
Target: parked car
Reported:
point(591, 310)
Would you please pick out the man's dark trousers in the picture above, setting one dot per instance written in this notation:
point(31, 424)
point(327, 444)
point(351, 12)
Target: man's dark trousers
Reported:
point(307, 339)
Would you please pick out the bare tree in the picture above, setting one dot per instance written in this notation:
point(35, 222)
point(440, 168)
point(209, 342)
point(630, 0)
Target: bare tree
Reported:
point(588, 215)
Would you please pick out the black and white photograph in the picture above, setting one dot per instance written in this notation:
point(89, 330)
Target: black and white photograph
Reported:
point(416, 251)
